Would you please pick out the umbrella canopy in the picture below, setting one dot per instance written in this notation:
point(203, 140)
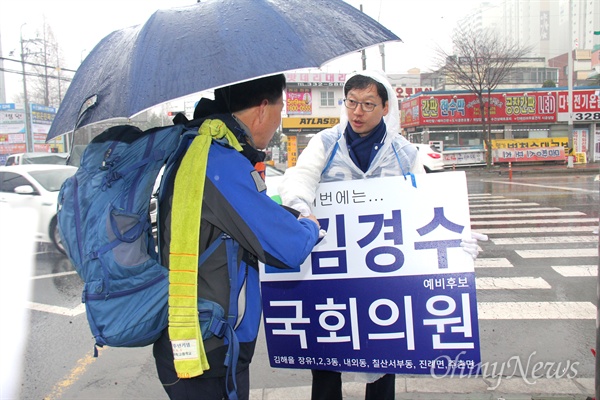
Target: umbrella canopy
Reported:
point(214, 43)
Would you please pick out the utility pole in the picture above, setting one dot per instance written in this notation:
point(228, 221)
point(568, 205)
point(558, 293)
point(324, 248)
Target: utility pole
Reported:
point(363, 53)
point(28, 138)
point(570, 87)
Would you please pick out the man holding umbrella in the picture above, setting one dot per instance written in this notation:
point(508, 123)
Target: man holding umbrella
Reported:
point(365, 144)
point(238, 226)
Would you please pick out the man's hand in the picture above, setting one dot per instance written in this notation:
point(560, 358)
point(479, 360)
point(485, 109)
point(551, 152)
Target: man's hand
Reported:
point(314, 219)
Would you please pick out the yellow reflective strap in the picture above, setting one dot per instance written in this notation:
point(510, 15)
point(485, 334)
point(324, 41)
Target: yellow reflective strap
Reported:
point(186, 213)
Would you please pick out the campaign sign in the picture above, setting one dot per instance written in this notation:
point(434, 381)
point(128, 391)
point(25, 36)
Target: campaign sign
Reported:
point(387, 290)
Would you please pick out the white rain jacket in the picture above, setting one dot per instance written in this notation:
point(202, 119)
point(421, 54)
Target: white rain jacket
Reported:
point(326, 157)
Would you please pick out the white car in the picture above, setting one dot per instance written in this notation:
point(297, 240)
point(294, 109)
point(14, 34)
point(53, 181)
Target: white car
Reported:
point(36, 186)
point(431, 159)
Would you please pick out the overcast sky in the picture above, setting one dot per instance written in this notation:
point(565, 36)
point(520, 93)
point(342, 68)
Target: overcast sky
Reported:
point(80, 24)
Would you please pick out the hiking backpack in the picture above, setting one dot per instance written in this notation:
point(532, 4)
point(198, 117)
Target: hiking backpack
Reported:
point(103, 219)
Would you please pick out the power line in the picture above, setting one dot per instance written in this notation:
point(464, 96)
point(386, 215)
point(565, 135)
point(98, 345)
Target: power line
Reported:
point(37, 75)
point(37, 65)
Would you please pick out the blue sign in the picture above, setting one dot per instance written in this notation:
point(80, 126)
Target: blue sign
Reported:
point(388, 290)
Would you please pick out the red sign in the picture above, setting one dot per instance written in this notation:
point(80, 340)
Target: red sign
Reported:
point(464, 109)
point(583, 101)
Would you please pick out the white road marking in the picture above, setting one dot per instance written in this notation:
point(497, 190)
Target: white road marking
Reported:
point(53, 275)
point(492, 263)
point(546, 239)
point(504, 210)
point(508, 204)
point(542, 229)
point(570, 189)
point(529, 215)
point(69, 312)
point(489, 197)
point(557, 253)
point(571, 271)
point(537, 221)
point(536, 310)
point(499, 200)
point(525, 282)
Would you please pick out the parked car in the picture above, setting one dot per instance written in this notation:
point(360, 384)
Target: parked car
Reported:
point(36, 186)
point(431, 159)
point(37, 158)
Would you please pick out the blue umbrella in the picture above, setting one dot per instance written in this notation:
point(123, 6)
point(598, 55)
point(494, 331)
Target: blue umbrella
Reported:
point(214, 43)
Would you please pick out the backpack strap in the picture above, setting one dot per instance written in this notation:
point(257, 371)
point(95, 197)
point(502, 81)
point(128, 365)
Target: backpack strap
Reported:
point(186, 213)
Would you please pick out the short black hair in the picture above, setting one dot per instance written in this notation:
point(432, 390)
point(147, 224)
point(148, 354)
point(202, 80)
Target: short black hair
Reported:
point(362, 82)
point(251, 93)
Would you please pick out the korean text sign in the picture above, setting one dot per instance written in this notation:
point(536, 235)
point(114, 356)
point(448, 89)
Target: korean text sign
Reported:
point(388, 290)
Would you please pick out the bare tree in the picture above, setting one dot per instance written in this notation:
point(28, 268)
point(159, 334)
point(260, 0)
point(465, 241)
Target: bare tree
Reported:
point(480, 62)
point(46, 76)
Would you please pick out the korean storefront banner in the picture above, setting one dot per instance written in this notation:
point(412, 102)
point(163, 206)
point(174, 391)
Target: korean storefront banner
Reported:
point(298, 101)
point(388, 289)
point(464, 108)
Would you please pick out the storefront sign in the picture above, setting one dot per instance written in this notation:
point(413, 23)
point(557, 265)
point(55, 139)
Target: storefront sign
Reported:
point(314, 79)
point(465, 109)
point(529, 154)
point(530, 143)
point(315, 122)
point(586, 105)
point(298, 101)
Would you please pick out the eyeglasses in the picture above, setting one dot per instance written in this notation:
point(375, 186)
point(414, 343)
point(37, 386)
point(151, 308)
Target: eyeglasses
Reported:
point(366, 106)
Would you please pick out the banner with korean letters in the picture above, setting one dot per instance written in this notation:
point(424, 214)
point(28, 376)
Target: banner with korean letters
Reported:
point(388, 289)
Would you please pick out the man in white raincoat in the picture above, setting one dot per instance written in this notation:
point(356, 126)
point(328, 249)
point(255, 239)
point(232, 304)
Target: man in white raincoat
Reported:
point(365, 144)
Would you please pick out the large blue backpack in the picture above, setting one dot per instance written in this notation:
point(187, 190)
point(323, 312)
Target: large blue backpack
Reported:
point(104, 224)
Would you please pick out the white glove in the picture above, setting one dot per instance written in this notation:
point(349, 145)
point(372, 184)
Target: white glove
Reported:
point(322, 233)
point(470, 245)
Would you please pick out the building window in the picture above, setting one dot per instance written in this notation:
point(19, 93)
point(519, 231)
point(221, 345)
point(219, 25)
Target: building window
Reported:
point(327, 99)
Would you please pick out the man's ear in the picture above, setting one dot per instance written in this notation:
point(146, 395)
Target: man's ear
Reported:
point(262, 110)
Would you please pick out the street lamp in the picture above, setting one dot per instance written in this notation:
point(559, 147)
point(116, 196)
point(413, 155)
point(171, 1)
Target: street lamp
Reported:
point(28, 138)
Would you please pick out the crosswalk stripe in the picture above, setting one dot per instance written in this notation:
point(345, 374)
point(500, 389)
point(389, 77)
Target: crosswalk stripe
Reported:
point(557, 253)
point(490, 197)
point(545, 240)
point(570, 189)
point(571, 271)
point(496, 205)
point(504, 210)
point(529, 215)
point(492, 263)
point(541, 229)
point(499, 200)
point(480, 195)
point(525, 282)
point(536, 221)
point(536, 310)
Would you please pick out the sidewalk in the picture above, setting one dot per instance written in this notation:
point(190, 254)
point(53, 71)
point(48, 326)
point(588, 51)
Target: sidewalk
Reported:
point(428, 388)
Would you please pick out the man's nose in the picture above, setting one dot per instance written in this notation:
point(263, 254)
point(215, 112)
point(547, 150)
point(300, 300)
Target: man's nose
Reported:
point(358, 110)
